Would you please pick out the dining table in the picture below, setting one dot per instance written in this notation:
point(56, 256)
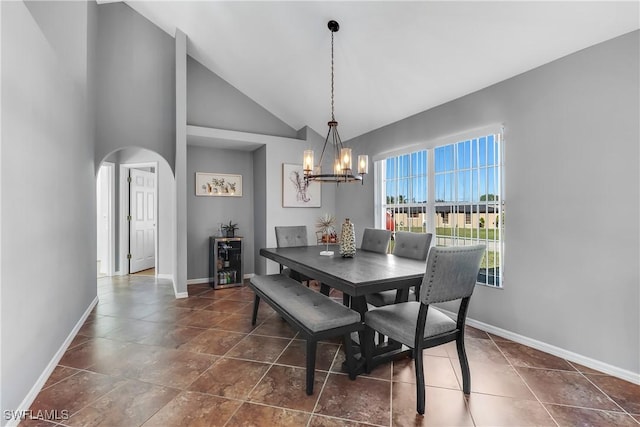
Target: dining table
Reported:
point(365, 273)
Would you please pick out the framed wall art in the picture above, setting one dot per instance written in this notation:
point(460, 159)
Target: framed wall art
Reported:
point(218, 184)
point(296, 193)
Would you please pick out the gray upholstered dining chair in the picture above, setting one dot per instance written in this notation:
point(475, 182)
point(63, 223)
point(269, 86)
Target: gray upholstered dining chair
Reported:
point(375, 240)
point(406, 245)
point(291, 236)
point(451, 274)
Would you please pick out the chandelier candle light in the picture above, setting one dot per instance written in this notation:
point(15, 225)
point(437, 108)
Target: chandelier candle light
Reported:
point(342, 158)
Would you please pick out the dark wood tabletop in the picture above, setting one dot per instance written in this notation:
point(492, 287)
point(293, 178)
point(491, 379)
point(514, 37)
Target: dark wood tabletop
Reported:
point(365, 273)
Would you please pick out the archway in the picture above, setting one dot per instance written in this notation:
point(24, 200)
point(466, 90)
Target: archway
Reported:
point(124, 160)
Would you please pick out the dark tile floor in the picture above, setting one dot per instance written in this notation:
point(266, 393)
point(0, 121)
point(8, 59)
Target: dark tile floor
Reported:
point(145, 358)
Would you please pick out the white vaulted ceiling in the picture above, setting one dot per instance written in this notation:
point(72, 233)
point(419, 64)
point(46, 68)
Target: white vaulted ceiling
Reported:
point(392, 59)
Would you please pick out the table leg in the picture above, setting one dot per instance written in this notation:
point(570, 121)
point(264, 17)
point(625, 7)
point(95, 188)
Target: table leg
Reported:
point(381, 354)
point(324, 289)
point(358, 304)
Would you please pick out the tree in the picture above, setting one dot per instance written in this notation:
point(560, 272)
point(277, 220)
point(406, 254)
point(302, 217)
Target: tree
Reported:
point(390, 200)
point(481, 222)
point(489, 197)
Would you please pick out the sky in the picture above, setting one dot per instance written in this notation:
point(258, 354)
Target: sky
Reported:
point(463, 172)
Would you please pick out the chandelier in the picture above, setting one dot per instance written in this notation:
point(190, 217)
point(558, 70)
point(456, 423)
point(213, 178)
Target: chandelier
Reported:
point(341, 166)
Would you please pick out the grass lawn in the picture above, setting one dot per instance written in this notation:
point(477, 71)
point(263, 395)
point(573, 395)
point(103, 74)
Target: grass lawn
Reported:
point(491, 258)
point(484, 233)
point(474, 233)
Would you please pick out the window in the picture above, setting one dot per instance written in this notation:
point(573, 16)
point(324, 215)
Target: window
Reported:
point(458, 196)
point(468, 185)
point(404, 202)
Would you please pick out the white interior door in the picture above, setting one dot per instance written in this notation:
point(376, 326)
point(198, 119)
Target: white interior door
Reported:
point(142, 226)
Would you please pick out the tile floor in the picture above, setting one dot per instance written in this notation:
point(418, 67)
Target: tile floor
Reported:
point(145, 358)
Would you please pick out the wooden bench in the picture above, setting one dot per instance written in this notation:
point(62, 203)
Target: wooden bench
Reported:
point(314, 315)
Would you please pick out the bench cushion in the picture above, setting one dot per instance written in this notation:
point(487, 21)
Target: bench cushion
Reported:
point(314, 311)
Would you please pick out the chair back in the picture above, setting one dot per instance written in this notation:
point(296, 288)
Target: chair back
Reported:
point(375, 240)
point(289, 236)
point(451, 273)
point(412, 245)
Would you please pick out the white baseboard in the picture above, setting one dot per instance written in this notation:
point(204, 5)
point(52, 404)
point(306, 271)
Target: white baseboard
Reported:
point(177, 294)
point(606, 368)
point(37, 387)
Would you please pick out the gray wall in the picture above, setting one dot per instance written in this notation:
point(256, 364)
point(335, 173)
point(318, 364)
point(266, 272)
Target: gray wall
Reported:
point(48, 269)
point(205, 214)
point(274, 214)
point(260, 197)
point(135, 84)
point(180, 230)
point(572, 198)
point(212, 102)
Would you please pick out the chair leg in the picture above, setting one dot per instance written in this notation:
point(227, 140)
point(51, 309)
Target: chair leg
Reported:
point(464, 365)
point(381, 339)
point(256, 302)
point(348, 354)
point(325, 289)
point(346, 300)
point(419, 381)
point(311, 365)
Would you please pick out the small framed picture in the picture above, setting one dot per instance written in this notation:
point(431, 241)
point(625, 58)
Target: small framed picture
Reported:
point(296, 192)
point(218, 184)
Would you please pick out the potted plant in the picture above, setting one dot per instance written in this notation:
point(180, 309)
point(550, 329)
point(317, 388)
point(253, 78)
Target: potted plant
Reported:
point(230, 229)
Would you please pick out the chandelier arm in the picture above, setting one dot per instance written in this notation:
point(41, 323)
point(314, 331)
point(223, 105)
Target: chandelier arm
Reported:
point(336, 150)
point(324, 147)
point(338, 137)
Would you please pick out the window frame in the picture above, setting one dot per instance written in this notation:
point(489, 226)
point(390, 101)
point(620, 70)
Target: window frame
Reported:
point(431, 204)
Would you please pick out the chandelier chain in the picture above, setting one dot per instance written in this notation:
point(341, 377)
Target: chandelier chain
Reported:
point(333, 118)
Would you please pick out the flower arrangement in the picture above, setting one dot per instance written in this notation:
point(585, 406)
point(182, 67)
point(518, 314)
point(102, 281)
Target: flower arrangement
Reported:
point(223, 187)
point(326, 225)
